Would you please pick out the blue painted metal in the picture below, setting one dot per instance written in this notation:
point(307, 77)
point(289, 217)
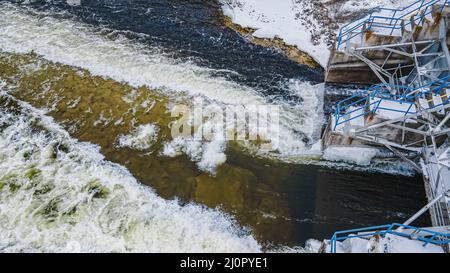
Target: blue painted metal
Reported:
point(419, 234)
point(392, 23)
point(403, 95)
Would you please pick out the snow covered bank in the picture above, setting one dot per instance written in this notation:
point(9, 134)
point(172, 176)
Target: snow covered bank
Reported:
point(289, 21)
point(358, 6)
point(309, 25)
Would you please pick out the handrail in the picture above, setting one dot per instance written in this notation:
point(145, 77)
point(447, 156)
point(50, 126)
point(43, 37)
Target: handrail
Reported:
point(379, 9)
point(377, 107)
point(391, 23)
point(420, 234)
point(379, 91)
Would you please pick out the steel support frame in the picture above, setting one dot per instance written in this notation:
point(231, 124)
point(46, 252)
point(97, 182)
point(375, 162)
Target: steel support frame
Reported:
point(429, 130)
point(410, 50)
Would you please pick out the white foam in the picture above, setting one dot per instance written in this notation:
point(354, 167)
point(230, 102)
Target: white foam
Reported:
point(61, 195)
point(141, 138)
point(207, 155)
point(377, 165)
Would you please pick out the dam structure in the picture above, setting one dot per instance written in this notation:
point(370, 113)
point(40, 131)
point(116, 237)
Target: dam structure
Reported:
point(406, 112)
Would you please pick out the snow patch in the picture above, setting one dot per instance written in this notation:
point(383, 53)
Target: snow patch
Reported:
point(377, 244)
point(356, 155)
point(287, 20)
point(355, 6)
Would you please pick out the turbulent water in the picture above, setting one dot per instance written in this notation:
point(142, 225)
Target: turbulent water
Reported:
point(123, 60)
point(93, 84)
point(58, 193)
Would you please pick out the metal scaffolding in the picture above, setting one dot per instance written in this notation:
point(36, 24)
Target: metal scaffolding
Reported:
point(410, 110)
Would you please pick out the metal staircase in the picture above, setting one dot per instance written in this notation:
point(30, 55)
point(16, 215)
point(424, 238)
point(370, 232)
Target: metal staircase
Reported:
point(402, 47)
point(409, 111)
point(389, 22)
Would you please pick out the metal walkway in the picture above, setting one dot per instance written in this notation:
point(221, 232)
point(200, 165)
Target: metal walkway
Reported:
point(409, 111)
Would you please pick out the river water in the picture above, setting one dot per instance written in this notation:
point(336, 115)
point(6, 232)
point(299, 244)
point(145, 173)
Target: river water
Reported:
point(86, 154)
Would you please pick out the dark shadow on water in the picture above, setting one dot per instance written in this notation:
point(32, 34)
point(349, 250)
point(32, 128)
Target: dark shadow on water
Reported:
point(321, 200)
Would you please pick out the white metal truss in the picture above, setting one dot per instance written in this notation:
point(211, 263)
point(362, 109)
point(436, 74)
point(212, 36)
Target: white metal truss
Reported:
point(424, 132)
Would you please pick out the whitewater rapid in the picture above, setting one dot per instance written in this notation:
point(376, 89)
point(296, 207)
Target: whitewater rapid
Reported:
point(58, 194)
point(76, 44)
point(65, 40)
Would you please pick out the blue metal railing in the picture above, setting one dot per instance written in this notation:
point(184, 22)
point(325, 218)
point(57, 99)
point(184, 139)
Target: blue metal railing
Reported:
point(367, 108)
point(361, 105)
point(419, 234)
point(391, 21)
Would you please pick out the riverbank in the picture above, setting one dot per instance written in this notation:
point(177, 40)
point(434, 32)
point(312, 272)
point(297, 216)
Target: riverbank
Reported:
point(304, 30)
point(291, 51)
point(292, 27)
